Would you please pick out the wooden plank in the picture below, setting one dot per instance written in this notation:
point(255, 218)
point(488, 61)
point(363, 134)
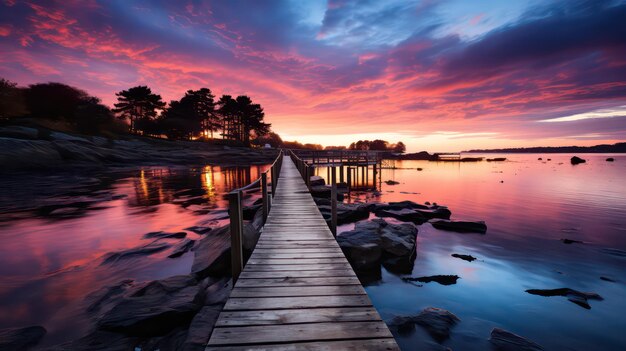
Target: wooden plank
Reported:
point(297, 281)
point(286, 302)
point(292, 261)
point(298, 333)
point(386, 344)
point(294, 267)
point(284, 291)
point(291, 316)
point(297, 255)
point(295, 273)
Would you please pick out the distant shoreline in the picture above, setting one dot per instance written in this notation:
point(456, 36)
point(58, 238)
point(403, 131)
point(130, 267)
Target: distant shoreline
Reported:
point(597, 149)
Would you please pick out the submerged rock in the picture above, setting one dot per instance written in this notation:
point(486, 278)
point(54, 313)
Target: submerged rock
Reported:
point(610, 159)
point(436, 321)
point(575, 296)
point(199, 229)
point(607, 279)
point(506, 341)
point(571, 241)
point(18, 339)
point(164, 235)
point(155, 308)
point(460, 226)
point(391, 182)
point(152, 248)
point(576, 160)
point(468, 258)
point(182, 248)
point(441, 279)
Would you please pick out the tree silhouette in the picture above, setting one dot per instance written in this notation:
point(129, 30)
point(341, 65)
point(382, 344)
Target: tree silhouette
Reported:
point(55, 100)
point(138, 104)
point(399, 148)
point(12, 102)
point(204, 103)
point(251, 119)
point(227, 110)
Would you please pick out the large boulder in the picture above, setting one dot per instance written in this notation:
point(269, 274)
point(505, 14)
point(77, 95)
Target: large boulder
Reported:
point(504, 340)
point(576, 160)
point(365, 244)
point(346, 213)
point(212, 253)
point(155, 308)
point(19, 339)
point(398, 239)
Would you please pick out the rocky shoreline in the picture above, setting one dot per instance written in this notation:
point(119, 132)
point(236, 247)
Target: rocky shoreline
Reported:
point(26, 148)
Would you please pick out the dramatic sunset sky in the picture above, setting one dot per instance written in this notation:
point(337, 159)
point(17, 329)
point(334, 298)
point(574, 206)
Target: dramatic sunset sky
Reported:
point(439, 75)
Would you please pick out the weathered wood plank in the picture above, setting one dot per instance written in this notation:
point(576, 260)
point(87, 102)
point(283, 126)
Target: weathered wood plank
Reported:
point(295, 273)
point(297, 281)
point(284, 291)
point(270, 303)
point(386, 344)
point(292, 261)
point(298, 333)
point(294, 267)
point(312, 315)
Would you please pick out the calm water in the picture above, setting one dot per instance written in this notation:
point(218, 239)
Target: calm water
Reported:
point(49, 261)
point(528, 205)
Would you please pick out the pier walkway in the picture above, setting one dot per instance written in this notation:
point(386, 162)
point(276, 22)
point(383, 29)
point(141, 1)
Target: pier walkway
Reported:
point(297, 290)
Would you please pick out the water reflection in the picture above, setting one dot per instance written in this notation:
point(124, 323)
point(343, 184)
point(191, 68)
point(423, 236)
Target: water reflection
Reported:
point(528, 205)
point(55, 230)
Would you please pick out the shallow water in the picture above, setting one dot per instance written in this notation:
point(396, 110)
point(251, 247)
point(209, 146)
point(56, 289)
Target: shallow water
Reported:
point(49, 262)
point(51, 259)
point(528, 205)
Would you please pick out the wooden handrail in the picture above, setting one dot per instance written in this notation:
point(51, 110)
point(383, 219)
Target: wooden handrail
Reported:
point(236, 213)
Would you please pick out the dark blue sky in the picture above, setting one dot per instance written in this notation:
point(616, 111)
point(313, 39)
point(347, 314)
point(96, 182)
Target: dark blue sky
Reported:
point(437, 74)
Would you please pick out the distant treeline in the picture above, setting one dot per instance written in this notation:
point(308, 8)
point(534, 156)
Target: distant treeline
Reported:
point(604, 148)
point(197, 115)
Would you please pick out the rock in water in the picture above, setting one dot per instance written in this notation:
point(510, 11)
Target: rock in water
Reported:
point(212, 253)
point(164, 235)
point(506, 341)
point(576, 160)
point(21, 338)
point(610, 159)
point(199, 229)
point(182, 248)
point(571, 241)
point(468, 258)
point(460, 226)
point(317, 180)
point(575, 296)
point(145, 250)
point(155, 308)
point(441, 279)
point(436, 321)
point(398, 240)
point(391, 182)
point(405, 215)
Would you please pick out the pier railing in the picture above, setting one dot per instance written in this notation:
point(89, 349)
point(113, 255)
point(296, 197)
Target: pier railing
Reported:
point(307, 171)
point(236, 211)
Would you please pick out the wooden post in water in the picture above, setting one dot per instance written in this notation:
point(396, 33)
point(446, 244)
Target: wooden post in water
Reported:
point(236, 231)
point(341, 171)
point(374, 173)
point(349, 174)
point(333, 202)
point(266, 208)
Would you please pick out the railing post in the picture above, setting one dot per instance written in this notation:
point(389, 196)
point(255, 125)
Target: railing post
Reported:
point(333, 202)
point(236, 231)
point(264, 196)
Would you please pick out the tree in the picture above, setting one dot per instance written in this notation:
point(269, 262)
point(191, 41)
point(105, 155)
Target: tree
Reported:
point(55, 101)
point(203, 105)
point(251, 119)
point(399, 148)
point(227, 110)
point(12, 102)
point(378, 145)
point(271, 138)
point(138, 103)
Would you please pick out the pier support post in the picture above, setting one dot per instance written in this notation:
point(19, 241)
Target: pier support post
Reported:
point(236, 230)
point(333, 202)
point(349, 174)
point(264, 196)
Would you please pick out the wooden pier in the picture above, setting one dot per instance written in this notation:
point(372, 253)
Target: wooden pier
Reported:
point(297, 290)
